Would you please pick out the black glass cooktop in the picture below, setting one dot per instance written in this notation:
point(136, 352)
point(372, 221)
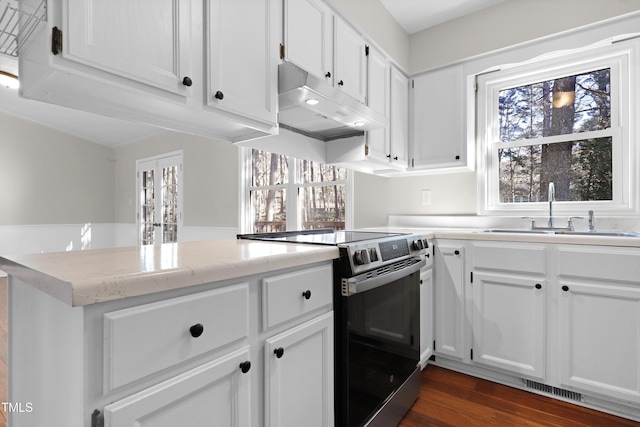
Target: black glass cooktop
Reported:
point(324, 236)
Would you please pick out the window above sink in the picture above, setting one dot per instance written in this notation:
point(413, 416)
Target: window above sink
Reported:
point(566, 118)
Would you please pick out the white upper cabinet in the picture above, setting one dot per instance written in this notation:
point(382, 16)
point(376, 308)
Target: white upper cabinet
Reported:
point(378, 98)
point(399, 127)
point(438, 126)
point(147, 41)
point(351, 61)
point(318, 41)
point(308, 36)
point(240, 60)
point(159, 62)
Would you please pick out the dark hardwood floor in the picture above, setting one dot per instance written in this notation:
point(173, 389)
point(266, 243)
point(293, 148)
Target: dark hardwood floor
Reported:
point(449, 398)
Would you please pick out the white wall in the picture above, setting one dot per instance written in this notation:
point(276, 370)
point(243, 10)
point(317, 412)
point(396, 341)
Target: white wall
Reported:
point(210, 178)
point(50, 177)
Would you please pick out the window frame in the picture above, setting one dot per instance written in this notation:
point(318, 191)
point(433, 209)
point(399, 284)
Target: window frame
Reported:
point(291, 187)
point(623, 60)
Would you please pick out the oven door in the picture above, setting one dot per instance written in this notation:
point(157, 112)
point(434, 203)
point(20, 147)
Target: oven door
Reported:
point(378, 342)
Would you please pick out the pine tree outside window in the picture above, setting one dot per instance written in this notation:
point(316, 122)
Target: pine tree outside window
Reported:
point(568, 119)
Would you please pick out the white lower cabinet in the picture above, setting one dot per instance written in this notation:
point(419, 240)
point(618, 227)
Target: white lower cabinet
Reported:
point(426, 315)
point(508, 299)
point(600, 339)
point(299, 375)
point(218, 392)
point(195, 356)
point(449, 296)
point(508, 325)
point(599, 315)
point(559, 319)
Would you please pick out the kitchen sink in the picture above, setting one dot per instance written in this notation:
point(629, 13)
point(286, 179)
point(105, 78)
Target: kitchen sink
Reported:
point(562, 232)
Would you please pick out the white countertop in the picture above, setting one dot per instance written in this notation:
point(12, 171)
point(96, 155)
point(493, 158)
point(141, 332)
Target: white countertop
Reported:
point(88, 277)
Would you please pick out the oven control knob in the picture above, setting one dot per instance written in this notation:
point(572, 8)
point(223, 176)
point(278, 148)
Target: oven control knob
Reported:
point(360, 257)
point(426, 243)
point(417, 245)
point(373, 255)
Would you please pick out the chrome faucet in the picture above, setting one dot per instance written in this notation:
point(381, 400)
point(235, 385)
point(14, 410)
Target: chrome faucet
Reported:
point(551, 197)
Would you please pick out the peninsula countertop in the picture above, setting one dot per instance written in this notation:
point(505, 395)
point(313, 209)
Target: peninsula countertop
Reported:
point(80, 278)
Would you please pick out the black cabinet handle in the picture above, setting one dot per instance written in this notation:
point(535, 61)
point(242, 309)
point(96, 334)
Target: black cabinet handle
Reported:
point(196, 330)
point(219, 95)
point(340, 83)
point(565, 288)
point(279, 352)
point(456, 252)
point(306, 294)
point(538, 286)
point(187, 81)
point(245, 366)
point(421, 281)
point(328, 75)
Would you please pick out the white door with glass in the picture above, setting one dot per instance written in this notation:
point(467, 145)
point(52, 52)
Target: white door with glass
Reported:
point(159, 199)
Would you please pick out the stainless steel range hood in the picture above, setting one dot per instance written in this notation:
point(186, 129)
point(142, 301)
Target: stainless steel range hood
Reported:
point(312, 107)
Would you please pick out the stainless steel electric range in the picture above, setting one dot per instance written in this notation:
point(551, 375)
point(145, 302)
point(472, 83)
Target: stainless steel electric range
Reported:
point(377, 321)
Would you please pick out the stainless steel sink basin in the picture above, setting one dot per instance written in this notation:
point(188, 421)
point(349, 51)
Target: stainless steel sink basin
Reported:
point(563, 232)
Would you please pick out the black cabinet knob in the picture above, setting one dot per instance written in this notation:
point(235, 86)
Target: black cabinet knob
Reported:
point(538, 286)
point(187, 81)
point(279, 352)
point(219, 95)
point(565, 288)
point(340, 83)
point(245, 366)
point(388, 156)
point(395, 158)
point(306, 294)
point(457, 157)
point(196, 330)
point(328, 75)
point(457, 252)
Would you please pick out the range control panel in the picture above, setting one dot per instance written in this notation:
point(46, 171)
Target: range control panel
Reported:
point(371, 254)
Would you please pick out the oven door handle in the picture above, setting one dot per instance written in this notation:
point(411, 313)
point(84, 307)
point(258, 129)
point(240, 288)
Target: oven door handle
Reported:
point(360, 283)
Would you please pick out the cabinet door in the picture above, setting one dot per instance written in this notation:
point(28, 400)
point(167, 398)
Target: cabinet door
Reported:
point(600, 338)
point(299, 375)
point(398, 135)
point(217, 390)
point(426, 316)
point(378, 98)
point(146, 41)
point(350, 61)
point(438, 129)
point(449, 300)
point(308, 36)
point(509, 322)
point(242, 65)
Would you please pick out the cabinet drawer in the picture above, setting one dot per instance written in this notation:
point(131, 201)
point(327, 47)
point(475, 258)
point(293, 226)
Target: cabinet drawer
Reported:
point(518, 258)
point(142, 340)
point(284, 297)
point(604, 263)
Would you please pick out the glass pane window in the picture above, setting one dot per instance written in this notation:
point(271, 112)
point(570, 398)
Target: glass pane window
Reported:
point(587, 171)
point(319, 172)
point(269, 210)
point(312, 203)
point(572, 104)
point(322, 207)
point(567, 118)
point(268, 169)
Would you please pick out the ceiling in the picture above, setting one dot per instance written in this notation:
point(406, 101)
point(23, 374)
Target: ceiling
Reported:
point(413, 15)
point(416, 15)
